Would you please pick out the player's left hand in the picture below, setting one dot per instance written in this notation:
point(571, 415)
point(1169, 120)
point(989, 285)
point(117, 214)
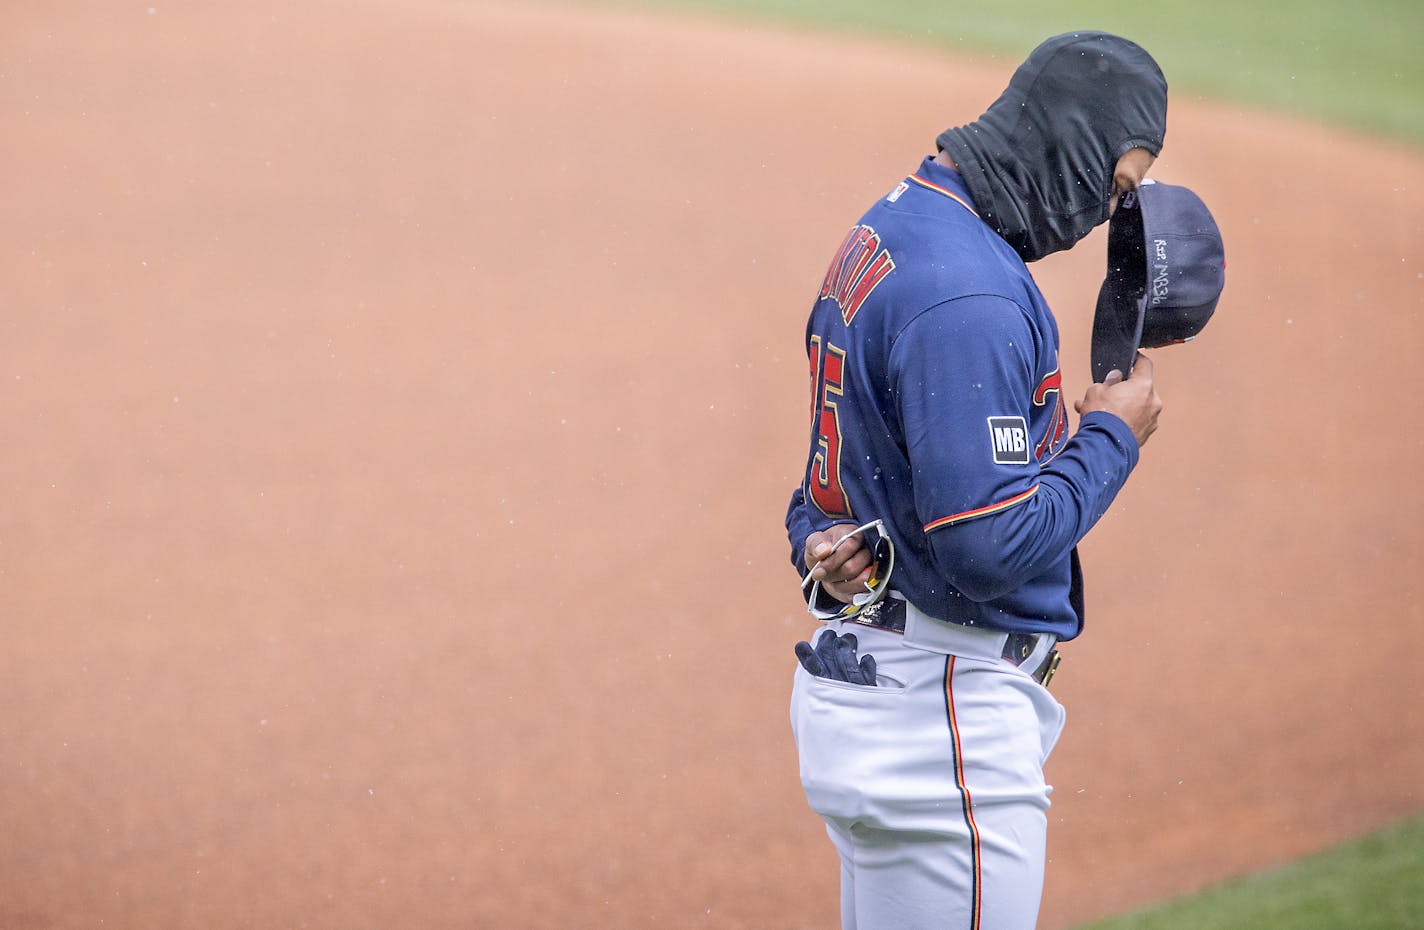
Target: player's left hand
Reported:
point(844, 572)
point(834, 657)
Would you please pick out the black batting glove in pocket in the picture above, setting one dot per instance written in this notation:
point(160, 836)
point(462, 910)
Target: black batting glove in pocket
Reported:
point(834, 657)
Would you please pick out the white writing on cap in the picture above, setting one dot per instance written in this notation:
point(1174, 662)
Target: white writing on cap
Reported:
point(1160, 282)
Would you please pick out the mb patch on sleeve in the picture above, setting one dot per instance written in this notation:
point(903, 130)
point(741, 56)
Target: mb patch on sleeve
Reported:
point(1010, 439)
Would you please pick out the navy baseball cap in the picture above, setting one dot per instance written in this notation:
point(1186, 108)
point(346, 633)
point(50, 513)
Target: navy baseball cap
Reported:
point(1166, 269)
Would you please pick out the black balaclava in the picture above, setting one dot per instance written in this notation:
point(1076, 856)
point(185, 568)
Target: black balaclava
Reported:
point(1040, 161)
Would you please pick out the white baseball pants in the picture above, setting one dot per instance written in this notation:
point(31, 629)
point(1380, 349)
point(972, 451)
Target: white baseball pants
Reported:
point(931, 784)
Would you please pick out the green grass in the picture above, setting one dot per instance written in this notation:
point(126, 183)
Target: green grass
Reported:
point(1357, 64)
point(1372, 883)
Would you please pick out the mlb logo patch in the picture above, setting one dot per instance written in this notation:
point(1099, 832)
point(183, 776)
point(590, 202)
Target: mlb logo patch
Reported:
point(1009, 436)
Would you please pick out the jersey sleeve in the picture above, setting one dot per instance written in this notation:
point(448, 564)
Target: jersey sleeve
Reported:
point(963, 373)
point(798, 527)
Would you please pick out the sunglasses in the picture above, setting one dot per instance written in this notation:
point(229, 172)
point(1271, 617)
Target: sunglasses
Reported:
point(883, 551)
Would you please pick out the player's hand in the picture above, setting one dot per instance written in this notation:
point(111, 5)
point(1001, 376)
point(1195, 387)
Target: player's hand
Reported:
point(834, 657)
point(842, 573)
point(1134, 400)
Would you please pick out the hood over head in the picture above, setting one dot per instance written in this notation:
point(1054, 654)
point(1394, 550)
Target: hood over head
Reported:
point(1040, 161)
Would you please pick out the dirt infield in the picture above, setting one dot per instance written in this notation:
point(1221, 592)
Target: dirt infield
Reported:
point(400, 405)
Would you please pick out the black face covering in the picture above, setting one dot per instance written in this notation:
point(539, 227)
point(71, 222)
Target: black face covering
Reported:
point(1040, 161)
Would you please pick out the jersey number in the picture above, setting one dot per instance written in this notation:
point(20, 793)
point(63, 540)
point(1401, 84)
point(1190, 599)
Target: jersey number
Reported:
point(823, 484)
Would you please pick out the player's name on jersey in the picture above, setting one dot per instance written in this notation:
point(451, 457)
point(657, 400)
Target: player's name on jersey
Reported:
point(859, 265)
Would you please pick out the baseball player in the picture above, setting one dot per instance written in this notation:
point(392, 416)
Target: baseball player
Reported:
point(944, 494)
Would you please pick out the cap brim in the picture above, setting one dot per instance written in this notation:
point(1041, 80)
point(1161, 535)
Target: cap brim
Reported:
point(1117, 328)
point(1122, 304)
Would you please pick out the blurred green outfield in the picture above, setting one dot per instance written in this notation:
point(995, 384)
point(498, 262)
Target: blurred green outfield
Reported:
point(1357, 64)
point(1372, 883)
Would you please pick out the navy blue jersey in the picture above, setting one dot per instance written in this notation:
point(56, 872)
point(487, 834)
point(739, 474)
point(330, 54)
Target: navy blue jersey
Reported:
point(937, 406)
